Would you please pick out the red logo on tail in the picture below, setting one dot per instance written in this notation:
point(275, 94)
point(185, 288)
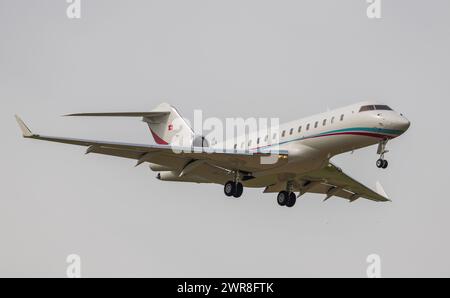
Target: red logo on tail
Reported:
point(170, 127)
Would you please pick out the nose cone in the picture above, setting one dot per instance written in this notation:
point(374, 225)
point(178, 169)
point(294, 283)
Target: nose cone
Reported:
point(402, 123)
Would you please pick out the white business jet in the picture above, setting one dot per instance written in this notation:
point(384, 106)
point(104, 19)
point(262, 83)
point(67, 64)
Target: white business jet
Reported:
point(299, 152)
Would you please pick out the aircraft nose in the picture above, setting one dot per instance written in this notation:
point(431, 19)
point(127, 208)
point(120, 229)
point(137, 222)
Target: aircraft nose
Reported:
point(403, 123)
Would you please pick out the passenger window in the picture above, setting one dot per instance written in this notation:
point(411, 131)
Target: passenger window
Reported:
point(283, 133)
point(307, 126)
point(332, 120)
point(292, 130)
point(300, 128)
point(249, 143)
point(274, 136)
point(257, 141)
point(324, 122)
point(266, 138)
point(235, 146)
point(342, 117)
point(316, 124)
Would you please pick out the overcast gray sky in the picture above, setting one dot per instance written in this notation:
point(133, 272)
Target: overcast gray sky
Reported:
point(286, 59)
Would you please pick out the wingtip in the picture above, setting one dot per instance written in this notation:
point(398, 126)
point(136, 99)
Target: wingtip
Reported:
point(26, 132)
point(381, 192)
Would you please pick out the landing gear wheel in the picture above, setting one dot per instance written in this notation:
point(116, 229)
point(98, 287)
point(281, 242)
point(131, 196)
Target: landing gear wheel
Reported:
point(380, 163)
point(229, 188)
point(239, 190)
point(282, 198)
point(291, 200)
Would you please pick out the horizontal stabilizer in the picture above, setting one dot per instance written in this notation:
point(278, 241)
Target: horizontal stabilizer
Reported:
point(26, 132)
point(121, 114)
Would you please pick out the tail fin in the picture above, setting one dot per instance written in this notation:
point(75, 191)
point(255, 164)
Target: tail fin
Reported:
point(168, 127)
point(165, 123)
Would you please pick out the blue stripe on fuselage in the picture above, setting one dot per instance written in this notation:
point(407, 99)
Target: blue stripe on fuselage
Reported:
point(357, 129)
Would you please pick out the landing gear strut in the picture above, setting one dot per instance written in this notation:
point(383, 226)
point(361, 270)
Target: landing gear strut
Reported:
point(287, 197)
point(234, 188)
point(381, 162)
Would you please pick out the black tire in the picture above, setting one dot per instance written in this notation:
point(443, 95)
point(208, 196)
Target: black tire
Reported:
point(385, 164)
point(380, 163)
point(282, 198)
point(229, 188)
point(239, 190)
point(292, 199)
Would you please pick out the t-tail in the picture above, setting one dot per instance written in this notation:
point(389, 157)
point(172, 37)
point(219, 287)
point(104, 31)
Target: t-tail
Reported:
point(169, 127)
point(165, 123)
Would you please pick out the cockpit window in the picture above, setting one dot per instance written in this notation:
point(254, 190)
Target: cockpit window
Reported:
point(375, 107)
point(367, 108)
point(382, 107)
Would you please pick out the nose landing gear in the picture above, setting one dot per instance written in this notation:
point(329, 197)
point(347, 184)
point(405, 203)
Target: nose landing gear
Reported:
point(381, 162)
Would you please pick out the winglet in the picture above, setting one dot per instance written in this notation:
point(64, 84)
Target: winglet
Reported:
point(380, 190)
point(26, 132)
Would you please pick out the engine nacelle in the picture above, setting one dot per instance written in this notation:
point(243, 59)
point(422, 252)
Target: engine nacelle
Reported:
point(200, 141)
point(160, 168)
point(168, 176)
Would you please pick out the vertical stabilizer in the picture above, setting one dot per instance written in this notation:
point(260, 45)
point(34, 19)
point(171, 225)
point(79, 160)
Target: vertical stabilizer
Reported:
point(169, 127)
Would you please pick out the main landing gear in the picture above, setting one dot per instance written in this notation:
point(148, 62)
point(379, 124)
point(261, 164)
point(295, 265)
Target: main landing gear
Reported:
point(234, 188)
point(287, 197)
point(381, 162)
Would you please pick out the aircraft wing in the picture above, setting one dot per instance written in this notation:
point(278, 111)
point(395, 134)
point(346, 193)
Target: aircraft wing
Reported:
point(175, 158)
point(206, 165)
point(337, 183)
point(333, 182)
